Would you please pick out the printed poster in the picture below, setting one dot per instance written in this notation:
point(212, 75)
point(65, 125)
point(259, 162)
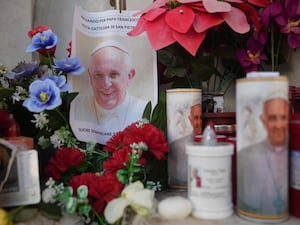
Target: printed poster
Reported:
point(120, 76)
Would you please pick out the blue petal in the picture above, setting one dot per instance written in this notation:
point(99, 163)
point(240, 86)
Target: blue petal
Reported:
point(69, 65)
point(48, 86)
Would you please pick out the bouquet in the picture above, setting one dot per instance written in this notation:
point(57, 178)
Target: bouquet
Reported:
point(95, 182)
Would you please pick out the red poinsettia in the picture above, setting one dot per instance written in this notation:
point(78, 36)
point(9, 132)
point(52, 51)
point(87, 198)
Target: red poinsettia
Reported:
point(101, 188)
point(64, 159)
point(187, 21)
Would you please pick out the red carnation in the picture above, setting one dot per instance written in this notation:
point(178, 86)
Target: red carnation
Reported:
point(63, 159)
point(118, 159)
point(153, 137)
point(115, 142)
point(101, 188)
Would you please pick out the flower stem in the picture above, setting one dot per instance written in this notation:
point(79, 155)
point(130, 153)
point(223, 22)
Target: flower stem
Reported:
point(272, 46)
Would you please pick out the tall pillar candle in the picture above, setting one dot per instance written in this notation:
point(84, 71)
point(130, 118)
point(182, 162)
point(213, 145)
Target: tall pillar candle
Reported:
point(262, 148)
point(184, 120)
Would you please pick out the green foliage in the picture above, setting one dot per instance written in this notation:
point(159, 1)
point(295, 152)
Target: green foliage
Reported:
point(133, 170)
point(213, 69)
point(23, 214)
point(157, 117)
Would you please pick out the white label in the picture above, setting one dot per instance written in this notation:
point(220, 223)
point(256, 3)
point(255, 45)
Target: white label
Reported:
point(210, 187)
point(295, 169)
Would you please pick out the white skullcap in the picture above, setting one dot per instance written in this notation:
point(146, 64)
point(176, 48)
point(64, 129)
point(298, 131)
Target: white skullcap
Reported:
point(196, 100)
point(277, 94)
point(109, 43)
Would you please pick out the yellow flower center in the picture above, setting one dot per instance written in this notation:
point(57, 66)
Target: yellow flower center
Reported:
point(44, 96)
point(292, 24)
point(43, 37)
point(252, 56)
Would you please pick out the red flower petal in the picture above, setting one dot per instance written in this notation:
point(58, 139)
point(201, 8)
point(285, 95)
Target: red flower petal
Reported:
point(63, 159)
point(237, 20)
point(38, 29)
point(213, 6)
point(154, 13)
point(159, 33)
point(180, 19)
point(191, 41)
point(204, 21)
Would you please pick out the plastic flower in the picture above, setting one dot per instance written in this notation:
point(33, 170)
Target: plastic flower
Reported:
point(137, 132)
point(44, 42)
point(4, 218)
point(71, 66)
point(64, 159)
point(38, 29)
point(44, 94)
point(19, 94)
point(187, 21)
point(135, 196)
point(24, 70)
point(251, 57)
point(40, 120)
point(101, 188)
point(60, 82)
point(286, 16)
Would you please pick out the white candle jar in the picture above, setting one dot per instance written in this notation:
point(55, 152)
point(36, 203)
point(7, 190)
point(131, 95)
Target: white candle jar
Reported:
point(209, 179)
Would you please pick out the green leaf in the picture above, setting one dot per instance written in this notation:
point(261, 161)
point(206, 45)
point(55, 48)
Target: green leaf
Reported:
point(122, 176)
point(82, 191)
point(24, 214)
point(71, 205)
point(56, 118)
point(147, 111)
point(6, 92)
point(136, 169)
point(51, 211)
point(175, 72)
point(84, 209)
point(158, 117)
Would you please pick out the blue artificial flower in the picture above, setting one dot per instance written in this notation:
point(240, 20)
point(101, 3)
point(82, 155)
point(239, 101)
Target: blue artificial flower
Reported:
point(69, 65)
point(24, 70)
point(60, 82)
point(43, 40)
point(43, 94)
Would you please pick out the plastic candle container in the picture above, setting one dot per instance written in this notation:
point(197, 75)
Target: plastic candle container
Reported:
point(209, 177)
